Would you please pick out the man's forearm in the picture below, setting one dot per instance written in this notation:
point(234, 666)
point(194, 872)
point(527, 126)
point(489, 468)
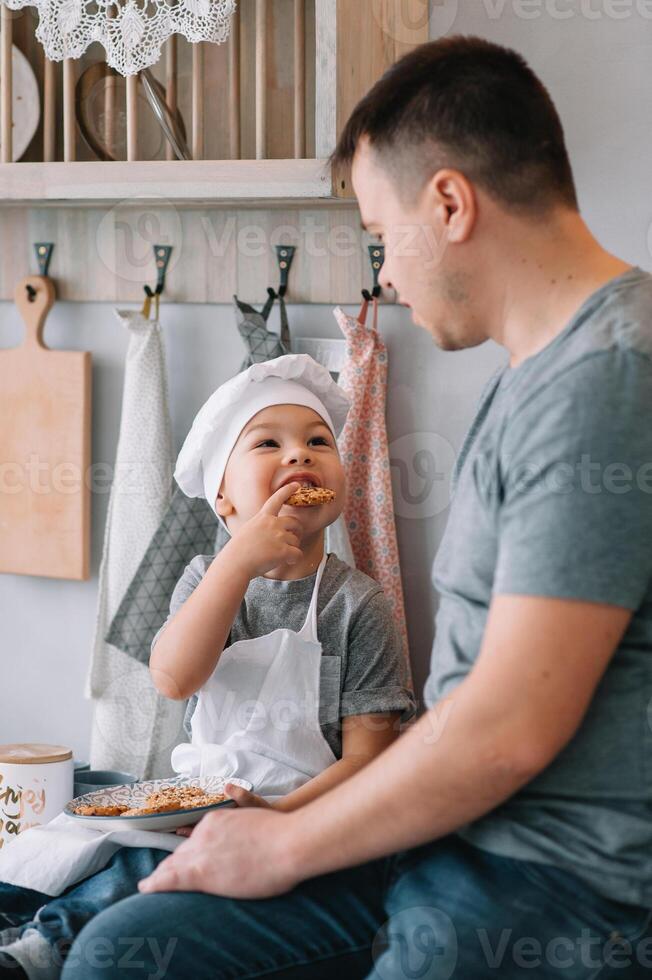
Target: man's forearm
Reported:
point(186, 653)
point(448, 769)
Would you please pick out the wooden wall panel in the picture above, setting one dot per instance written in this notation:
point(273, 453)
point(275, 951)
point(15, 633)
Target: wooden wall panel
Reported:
point(106, 254)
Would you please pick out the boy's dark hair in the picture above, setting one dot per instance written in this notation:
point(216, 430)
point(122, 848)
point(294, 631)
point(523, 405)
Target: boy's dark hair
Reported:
point(466, 103)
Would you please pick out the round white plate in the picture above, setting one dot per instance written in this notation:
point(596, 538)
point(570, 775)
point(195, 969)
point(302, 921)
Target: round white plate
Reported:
point(136, 793)
point(26, 106)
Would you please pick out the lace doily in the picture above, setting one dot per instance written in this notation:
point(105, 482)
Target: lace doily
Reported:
point(131, 31)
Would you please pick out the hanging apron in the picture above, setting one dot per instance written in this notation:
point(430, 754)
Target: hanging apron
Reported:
point(134, 727)
point(262, 344)
point(363, 445)
point(189, 527)
point(257, 716)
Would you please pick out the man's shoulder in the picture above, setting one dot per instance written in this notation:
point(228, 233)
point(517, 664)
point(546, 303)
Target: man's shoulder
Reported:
point(607, 346)
point(617, 318)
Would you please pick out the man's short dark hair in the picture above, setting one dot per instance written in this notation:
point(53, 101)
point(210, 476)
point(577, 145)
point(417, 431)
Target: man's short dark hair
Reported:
point(466, 103)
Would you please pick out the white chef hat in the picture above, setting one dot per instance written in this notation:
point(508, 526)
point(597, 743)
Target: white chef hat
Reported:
point(293, 379)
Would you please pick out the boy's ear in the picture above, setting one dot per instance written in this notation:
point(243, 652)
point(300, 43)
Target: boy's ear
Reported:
point(223, 506)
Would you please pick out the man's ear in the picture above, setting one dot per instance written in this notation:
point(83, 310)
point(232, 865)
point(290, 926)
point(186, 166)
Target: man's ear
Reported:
point(453, 196)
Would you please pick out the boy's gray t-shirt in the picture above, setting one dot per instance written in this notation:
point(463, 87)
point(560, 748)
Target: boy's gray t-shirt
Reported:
point(363, 670)
point(552, 496)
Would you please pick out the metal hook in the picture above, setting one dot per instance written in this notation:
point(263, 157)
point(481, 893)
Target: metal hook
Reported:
point(162, 255)
point(284, 255)
point(43, 255)
point(377, 258)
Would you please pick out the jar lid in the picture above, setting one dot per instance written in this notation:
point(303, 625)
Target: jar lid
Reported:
point(26, 753)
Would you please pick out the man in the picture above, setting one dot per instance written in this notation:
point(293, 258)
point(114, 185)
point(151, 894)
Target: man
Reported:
point(516, 811)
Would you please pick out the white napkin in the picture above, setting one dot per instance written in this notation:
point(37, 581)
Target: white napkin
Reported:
point(50, 858)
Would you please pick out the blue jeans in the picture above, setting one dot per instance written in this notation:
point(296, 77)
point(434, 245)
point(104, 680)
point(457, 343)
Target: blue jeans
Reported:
point(446, 909)
point(37, 930)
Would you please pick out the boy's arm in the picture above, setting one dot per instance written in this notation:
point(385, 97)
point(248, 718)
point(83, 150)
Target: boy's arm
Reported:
point(186, 653)
point(363, 738)
point(188, 649)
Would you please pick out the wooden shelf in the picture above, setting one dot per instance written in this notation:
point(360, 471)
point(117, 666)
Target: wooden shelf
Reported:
point(264, 182)
point(222, 215)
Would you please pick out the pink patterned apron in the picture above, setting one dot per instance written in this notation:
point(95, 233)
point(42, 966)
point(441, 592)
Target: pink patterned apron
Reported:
point(369, 507)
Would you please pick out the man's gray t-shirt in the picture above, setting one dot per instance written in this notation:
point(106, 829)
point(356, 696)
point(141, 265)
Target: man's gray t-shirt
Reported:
point(552, 496)
point(363, 670)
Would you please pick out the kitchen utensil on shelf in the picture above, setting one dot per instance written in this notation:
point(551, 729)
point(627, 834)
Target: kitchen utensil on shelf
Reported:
point(25, 103)
point(171, 123)
point(156, 122)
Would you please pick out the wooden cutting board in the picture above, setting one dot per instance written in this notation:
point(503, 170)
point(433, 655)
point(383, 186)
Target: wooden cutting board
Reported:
point(45, 449)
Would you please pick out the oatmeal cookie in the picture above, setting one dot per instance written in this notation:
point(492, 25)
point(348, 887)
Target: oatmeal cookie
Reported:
point(100, 811)
point(311, 497)
point(176, 793)
point(144, 811)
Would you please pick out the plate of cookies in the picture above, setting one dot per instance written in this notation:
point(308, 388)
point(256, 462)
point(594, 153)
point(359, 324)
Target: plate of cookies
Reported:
point(154, 804)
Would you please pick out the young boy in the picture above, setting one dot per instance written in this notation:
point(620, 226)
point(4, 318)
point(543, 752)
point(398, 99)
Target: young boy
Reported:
point(257, 440)
point(291, 656)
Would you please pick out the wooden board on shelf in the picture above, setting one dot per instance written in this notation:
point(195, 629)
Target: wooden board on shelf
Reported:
point(175, 181)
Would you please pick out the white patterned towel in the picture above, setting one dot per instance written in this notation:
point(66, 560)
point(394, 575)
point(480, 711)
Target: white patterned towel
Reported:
point(134, 728)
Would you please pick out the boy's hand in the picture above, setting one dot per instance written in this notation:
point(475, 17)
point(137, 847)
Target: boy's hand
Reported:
point(268, 540)
point(242, 797)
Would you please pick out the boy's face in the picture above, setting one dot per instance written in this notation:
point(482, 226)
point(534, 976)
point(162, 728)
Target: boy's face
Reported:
point(280, 444)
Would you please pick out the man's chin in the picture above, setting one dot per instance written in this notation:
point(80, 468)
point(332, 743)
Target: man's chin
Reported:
point(443, 340)
point(424, 323)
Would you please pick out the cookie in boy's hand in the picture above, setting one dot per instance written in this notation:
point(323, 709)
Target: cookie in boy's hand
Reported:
point(311, 497)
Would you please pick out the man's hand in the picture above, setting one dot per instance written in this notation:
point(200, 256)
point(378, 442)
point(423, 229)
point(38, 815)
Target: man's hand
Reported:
point(238, 855)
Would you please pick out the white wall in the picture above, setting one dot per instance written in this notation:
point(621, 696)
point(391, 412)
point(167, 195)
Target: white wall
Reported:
point(597, 71)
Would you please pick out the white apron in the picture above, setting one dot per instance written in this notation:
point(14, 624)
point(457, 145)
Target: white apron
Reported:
point(257, 716)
